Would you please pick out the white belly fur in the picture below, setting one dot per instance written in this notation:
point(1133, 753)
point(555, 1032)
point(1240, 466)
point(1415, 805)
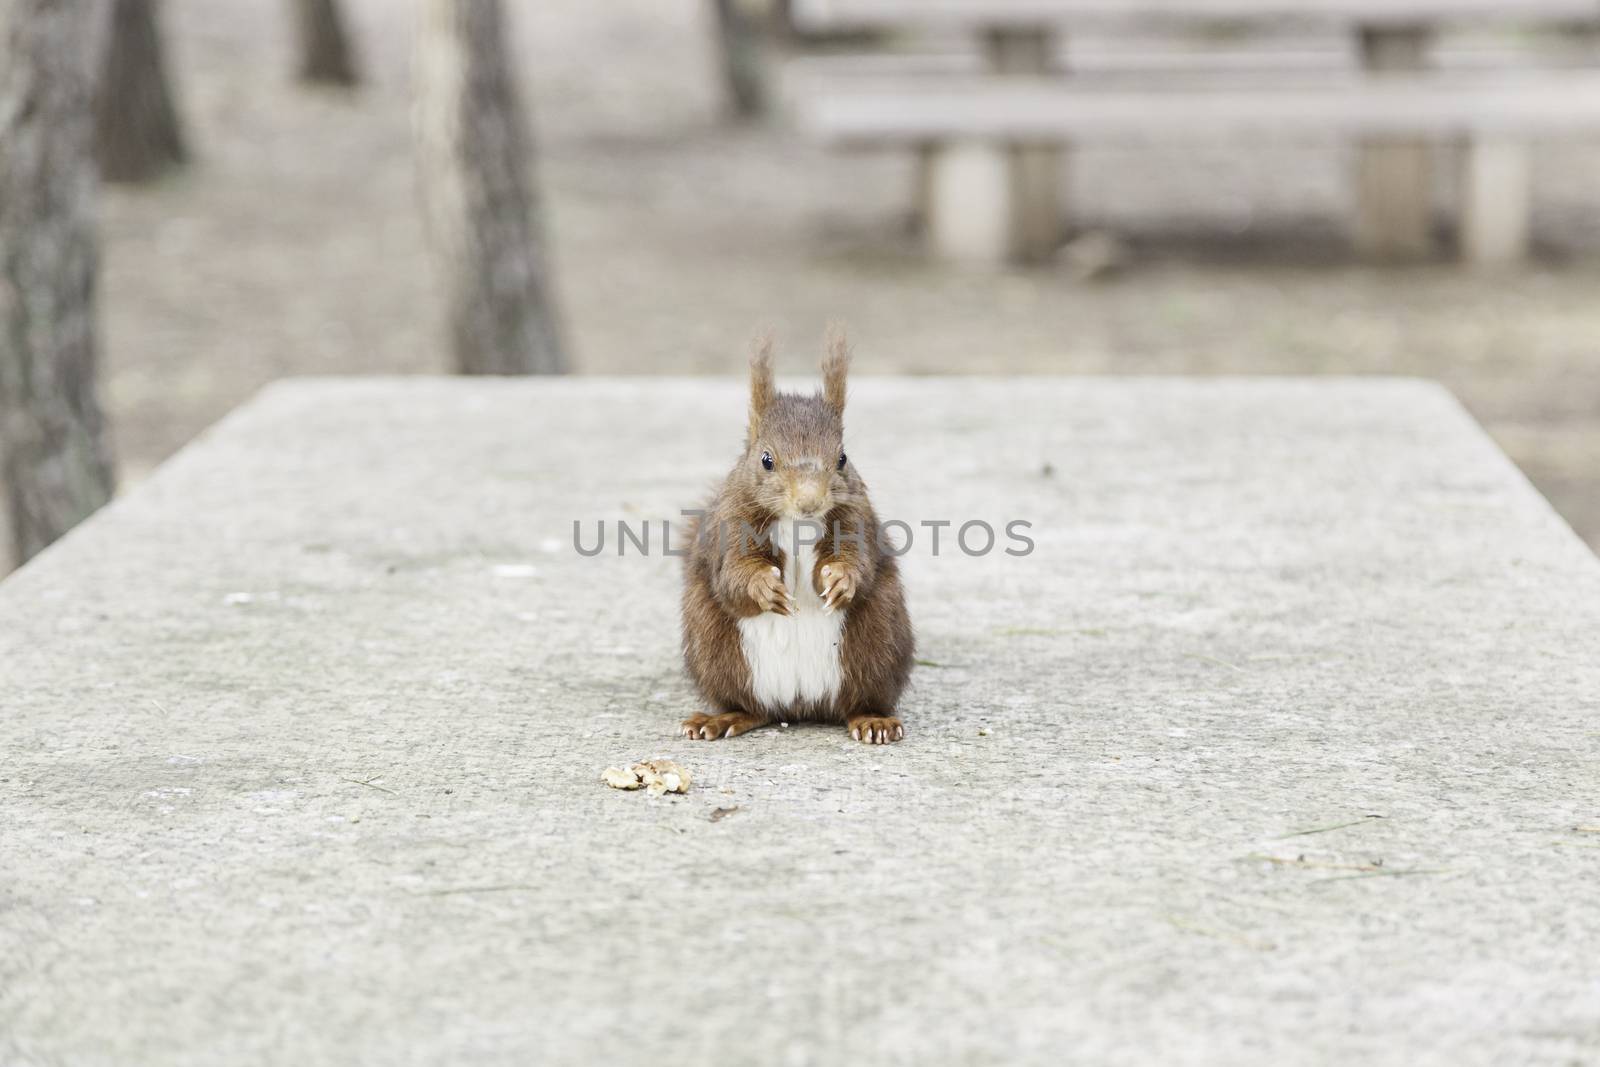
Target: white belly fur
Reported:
point(794, 658)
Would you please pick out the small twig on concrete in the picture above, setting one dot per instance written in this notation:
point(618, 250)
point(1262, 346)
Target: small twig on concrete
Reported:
point(1314, 864)
point(1029, 631)
point(1218, 662)
point(1337, 826)
point(1384, 874)
point(1226, 935)
point(512, 887)
point(1375, 869)
point(371, 783)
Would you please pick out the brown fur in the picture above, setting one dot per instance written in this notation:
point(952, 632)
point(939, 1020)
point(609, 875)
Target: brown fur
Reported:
point(762, 389)
point(835, 368)
point(727, 573)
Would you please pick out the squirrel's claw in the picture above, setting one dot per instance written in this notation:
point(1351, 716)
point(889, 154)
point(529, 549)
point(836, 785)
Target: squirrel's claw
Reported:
point(719, 727)
point(838, 587)
point(876, 729)
point(769, 593)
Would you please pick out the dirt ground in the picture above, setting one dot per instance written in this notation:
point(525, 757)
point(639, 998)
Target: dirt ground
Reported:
point(295, 247)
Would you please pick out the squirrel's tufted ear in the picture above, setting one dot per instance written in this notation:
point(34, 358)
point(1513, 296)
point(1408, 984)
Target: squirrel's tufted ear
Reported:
point(835, 369)
point(762, 391)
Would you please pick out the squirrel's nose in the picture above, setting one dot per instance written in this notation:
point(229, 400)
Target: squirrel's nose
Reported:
point(809, 498)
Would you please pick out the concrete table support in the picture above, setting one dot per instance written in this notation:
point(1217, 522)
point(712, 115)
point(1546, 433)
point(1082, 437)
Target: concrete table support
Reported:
point(1496, 202)
point(994, 201)
point(1278, 747)
point(970, 202)
point(1394, 175)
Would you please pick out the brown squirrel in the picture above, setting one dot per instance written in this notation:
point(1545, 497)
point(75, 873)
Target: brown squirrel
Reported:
point(792, 608)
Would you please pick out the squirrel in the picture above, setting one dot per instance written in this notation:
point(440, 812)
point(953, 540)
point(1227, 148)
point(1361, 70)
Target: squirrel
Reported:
point(793, 609)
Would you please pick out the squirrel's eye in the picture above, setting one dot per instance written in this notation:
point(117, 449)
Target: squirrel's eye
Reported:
point(842, 458)
point(766, 460)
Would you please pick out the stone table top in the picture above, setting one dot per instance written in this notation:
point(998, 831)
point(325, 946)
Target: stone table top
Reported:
point(1282, 745)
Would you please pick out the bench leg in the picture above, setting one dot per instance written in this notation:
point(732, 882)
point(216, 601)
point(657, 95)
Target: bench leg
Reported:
point(922, 166)
point(970, 202)
point(985, 203)
point(1035, 202)
point(1394, 200)
point(1495, 202)
point(1394, 176)
point(1035, 209)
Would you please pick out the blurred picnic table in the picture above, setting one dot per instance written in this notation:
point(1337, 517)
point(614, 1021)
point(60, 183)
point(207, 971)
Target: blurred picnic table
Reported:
point(992, 139)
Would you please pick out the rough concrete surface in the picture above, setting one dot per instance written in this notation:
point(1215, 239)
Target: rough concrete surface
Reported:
point(1281, 747)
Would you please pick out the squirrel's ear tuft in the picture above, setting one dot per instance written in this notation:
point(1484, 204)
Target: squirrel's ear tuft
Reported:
point(762, 390)
point(835, 369)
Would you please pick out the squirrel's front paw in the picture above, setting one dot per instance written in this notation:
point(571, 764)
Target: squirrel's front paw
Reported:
point(766, 588)
point(836, 585)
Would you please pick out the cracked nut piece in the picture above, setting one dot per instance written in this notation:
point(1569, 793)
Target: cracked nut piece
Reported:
point(662, 776)
point(657, 775)
point(617, 778)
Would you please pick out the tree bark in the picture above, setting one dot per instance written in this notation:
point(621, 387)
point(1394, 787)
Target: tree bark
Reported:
point(56, 459)
point(474, 151)
point(138, 132)
point(326, 55)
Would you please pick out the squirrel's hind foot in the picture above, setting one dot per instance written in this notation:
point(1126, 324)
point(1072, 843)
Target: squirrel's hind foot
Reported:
point(717, 727)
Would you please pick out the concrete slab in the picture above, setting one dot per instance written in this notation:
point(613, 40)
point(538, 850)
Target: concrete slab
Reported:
point(1281, 747)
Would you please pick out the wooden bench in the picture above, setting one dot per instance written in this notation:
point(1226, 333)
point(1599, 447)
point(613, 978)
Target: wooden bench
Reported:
point(992, 137)
point(1029, 14)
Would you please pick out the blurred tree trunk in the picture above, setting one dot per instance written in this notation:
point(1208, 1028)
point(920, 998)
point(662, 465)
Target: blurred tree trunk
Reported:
point(326, 57)
point(743, 57)
point(474, 150)
point(56, 460)
point(138, 133)
point(783, 18)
